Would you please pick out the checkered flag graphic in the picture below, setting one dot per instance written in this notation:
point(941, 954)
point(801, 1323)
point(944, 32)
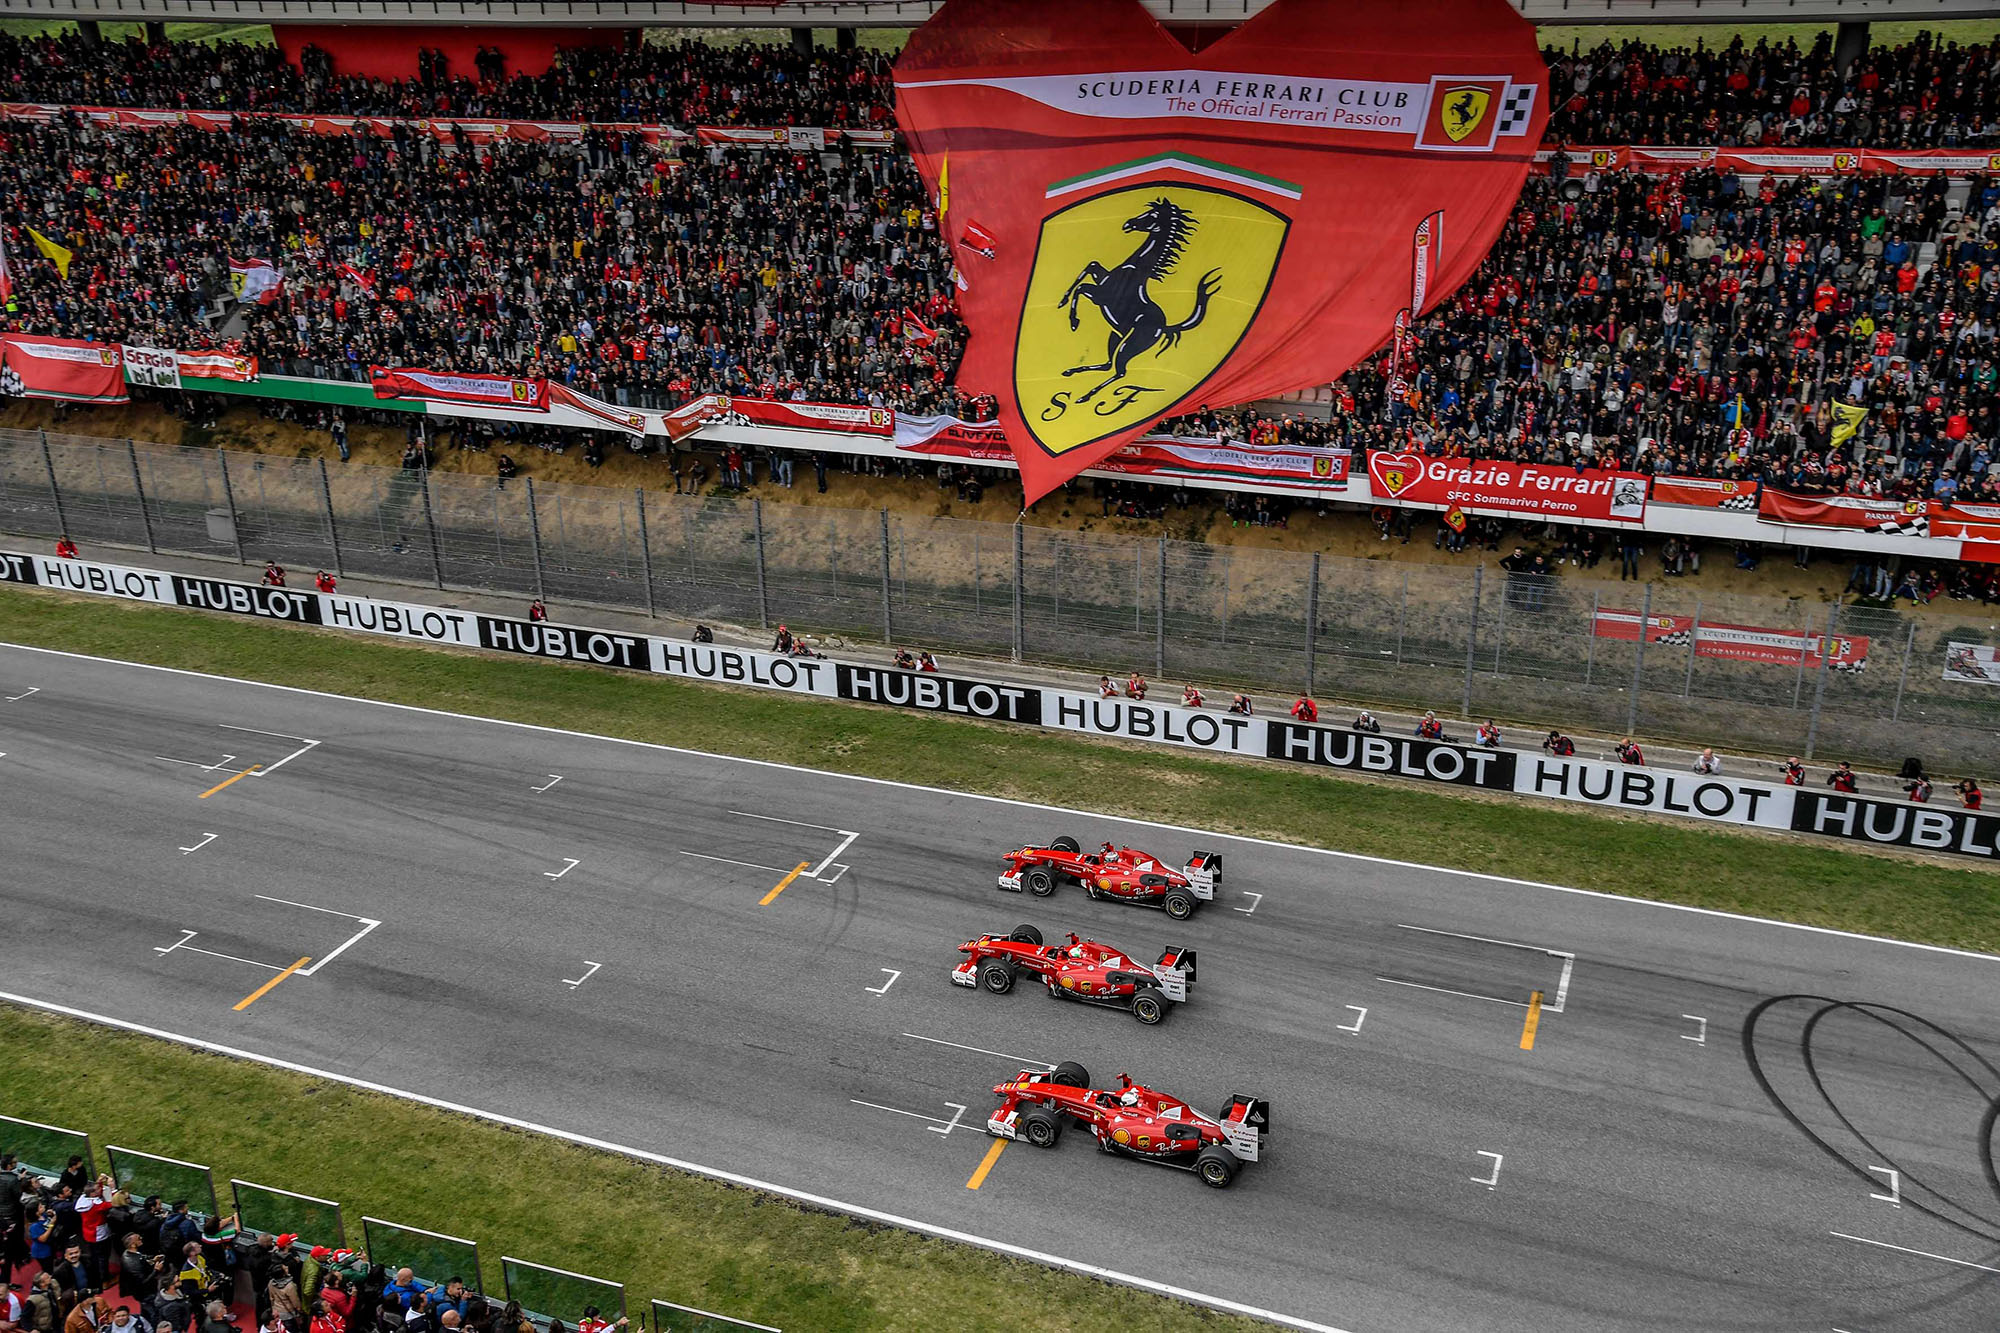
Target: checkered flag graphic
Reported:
point(1738, 502)
point(10, 383)
point(1677, 638)
point(1516, 109)
point(1920, 525)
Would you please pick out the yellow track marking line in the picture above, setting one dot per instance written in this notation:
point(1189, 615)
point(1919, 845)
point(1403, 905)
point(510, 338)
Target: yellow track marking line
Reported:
point(986, 1164)
point(226, 781)
point(265, 989)
point(783, 884)
point(1534, 1021)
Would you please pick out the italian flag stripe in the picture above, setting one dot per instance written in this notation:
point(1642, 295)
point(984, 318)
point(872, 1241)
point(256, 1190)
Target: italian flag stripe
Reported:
point(1194, 166)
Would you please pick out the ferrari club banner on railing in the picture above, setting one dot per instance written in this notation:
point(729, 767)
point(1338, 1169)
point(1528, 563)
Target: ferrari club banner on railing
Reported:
point(483, 390)
point(1737, 643)
point(1157, 458)
point(1483, 486)
point(1705, 492)
point(65, 369)
point(1924, 518)
point(476, 130)
point(1772, 161)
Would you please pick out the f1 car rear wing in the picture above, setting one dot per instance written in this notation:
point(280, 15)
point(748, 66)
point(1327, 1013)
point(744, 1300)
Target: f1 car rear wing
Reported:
point(1246, 1122)
point(1204, 873)
point(1175, 971)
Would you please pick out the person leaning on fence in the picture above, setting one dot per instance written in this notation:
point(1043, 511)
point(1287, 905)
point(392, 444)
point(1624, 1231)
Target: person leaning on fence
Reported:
point(1558, 744)
point(1843, 778)
point(1707, 764)
point(593, 1323)
point(1629, 753)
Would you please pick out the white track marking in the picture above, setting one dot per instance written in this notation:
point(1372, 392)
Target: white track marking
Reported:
point(1921, 1254)
point(960, 1108)
point(730, 860)
point(935, 1121)
point(196, 763)
point(554, 778)
point(838, 871)
point(185, 947)
point(1463, 994)
point(16, 698)
point(795, 823)
point(678, 1164)
point(1492, 1181)
point(1562, 984)
point(845, 843)
point(1254, 898)
point(368, 923)
point(1016, 1059)
point(585, 977)
point(268, 769)
point(1894, 1198)
point(1700, 1038)
point(883, 989)
point(1480, 875)
point(206, 839)
point(569, 863)
point(186, 935)
point(1360, 1017)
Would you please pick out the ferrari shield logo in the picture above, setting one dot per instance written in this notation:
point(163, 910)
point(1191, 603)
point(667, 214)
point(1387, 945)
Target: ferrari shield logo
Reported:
point(1465, 109)
point(1395, 479)
point(1138, 296)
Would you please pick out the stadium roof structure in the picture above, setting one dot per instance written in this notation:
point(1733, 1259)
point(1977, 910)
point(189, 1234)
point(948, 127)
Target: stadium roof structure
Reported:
point(905, 13)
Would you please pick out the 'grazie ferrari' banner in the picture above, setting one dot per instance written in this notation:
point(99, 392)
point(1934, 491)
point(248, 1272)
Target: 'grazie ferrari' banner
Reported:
point(1479, 486)
point(483, 390)
point(1140, 230)
point(61, 368)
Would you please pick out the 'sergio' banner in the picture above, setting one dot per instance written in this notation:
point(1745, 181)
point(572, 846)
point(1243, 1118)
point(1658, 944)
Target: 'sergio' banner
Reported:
point(67, 369)
point(1140, 230)
point(1737, 643)
point(1481, 486)
point(484, 390)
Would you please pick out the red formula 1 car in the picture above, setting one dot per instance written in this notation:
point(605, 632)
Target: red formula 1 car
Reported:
point(1082, 970)
point(1133, 1121)
point(1124, 873)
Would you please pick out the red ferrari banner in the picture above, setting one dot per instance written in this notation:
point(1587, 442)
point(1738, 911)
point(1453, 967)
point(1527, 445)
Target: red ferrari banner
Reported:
point(484, 390)
point(809, 416)
point(1780, 162)
point(1708, 492)
point(1737, 643)
point(216, 366)
point(64, 368)
point(1158, 457)
point(1478, 486)
point(1172, 230)
point(1922, 518)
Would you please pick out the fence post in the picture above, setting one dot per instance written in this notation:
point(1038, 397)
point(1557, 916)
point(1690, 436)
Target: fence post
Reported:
point(763, 592)
point(332, 528)
point(1160, 623)
point(430, 526)
point(888, 620)
point(229, 498)
point(535, 536)
point(1819, 686)
point(1909, 644)
point(1590, 648)
point(1472, 638)
point(645, 552)
point(139, 489)
point(975, 572)
point(55, 491)
point(1402, 617)
point(1020, 566)
point(1694, 637)
point(1507, 589)
point(1312, 625)
point(1639, 662)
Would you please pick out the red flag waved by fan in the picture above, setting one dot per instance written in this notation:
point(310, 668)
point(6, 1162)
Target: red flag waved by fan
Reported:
point(1159, 231)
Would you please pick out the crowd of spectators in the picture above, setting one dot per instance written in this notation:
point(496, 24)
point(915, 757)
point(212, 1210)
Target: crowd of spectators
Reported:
point(684, 83)
point(1931, 93)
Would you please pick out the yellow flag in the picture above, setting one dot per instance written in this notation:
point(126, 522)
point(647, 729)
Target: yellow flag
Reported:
point(60, 254)
point(1847, 419)
point(944, 190)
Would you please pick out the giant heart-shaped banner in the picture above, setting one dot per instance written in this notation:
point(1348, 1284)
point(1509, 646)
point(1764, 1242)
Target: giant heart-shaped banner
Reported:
point(1142, 231)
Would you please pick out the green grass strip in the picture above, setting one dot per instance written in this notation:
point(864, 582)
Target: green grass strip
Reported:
point(1788, 878)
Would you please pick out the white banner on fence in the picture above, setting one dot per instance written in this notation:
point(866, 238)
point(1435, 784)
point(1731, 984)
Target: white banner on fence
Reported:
point(1972, 663)
point(432, 624)
point(1134, 720)
point(153, 367)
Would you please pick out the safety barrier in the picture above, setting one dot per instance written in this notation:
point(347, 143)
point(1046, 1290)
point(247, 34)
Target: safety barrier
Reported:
point(45, 1149)
point(1709, 799)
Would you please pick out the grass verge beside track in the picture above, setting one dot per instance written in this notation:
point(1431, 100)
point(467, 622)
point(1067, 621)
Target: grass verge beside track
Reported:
point(1790, 879)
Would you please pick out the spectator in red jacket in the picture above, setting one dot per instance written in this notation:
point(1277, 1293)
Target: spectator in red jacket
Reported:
point(1558, 744)
point(536, 611)
point(1969, 794)
point(65, 548)
point(274, 574)
point(1843, 778)
point(1305, 710)
point(1628, 753)
point(1794, 771)
point(324, 581)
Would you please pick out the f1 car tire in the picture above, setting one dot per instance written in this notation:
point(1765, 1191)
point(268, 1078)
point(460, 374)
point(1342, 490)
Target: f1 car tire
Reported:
point(1065, 844)
point(1070, 1074)
point(1179, 904)
point(1040, 881)
point(1215, 1166)
point(997, 975)
point(1148, 1005)
point(1040, 1128)
point(1026, 934)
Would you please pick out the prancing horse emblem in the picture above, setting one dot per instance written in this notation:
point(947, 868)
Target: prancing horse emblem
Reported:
point(1138, 324)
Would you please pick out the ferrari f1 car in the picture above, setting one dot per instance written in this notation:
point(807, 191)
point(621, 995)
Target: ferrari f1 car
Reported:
point(1082, 970)
point(1132, 1121)
point(1124, 873)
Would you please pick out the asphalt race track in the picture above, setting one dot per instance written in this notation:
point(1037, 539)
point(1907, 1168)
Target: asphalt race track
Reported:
point(582, 933)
